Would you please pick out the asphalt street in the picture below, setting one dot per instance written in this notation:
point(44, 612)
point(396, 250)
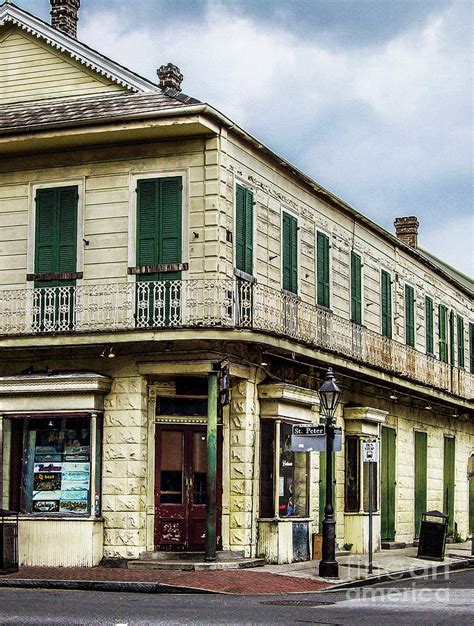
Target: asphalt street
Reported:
point(430, 601)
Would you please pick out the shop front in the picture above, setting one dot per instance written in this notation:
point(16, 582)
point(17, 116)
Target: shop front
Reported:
point(51, 427)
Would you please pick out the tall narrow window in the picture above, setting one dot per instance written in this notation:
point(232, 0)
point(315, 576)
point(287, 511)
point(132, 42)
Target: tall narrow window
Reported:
point(451, 337)
point(55, 257)
point(429, 322)
point(471, 347)
point(158, 247)
point(322, 267)
point(460, 324)
point(442, 333)
point(290, 253)
point(356, 288)
point(244, 230)
point(386, 292)
point(352, 475)
point(410, 316)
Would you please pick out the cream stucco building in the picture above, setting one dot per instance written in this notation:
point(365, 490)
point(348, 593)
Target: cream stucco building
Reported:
point(145, 239)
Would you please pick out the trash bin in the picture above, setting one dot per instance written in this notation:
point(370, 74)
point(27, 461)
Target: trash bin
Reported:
point(8, 541)
point(433, 532)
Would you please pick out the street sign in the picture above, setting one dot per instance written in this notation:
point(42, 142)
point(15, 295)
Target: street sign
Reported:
point(370, 451)
point(314, 442)
point(309, 430)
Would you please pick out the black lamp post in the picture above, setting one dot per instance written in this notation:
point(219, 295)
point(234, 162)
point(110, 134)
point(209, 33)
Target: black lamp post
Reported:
point(329, 394)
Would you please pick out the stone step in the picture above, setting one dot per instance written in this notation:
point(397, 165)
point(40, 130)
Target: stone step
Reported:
point(393, 545)
point(191, 566)
point(221, 555)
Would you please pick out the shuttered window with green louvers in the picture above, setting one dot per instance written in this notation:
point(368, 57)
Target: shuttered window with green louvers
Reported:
point(386, 297)
point(56, 230)
point(471, 347)
point(460, 331)
point(244, 229)
point(356, 288)
point(290, 253)
point(322, 269)
point(429, 325)
point(410, 316)
point(442, 333)
point(159, 225)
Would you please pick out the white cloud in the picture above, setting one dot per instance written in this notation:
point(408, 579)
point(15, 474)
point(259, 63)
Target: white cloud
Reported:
point(379, 125)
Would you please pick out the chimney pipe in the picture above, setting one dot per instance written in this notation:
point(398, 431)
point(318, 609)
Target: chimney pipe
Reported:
point(406, 229)
point(64, 16)
point(170, 77)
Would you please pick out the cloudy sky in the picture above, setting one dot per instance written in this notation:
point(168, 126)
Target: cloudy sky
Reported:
point(371, 98)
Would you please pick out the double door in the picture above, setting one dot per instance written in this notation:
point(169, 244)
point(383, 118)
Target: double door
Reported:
point(180, 488)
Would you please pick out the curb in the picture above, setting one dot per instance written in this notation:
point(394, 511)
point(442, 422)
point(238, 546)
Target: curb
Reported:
point(96, 585)
point(401, 575)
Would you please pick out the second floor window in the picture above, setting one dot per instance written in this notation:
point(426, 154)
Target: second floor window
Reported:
point(244, 230)
point(290, 253)
point(460, 329)
point(410, 316)
point(471, 347)
point(159, 224)
point(429, 325)
point(356, 288)
point(442, 333)
point(322, 267)
point(56, 231)
point(386, 302)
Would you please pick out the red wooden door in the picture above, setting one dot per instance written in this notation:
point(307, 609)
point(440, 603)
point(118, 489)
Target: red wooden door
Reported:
point(180, 488)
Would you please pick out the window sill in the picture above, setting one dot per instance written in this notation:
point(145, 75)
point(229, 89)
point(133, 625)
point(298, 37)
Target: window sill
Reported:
point(244, 276)
point(58, 518)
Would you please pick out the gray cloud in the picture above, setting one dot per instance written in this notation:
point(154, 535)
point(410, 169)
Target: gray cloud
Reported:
point(370, 98)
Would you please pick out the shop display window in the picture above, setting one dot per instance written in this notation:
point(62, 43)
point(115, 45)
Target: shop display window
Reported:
point(58, 463)
point(284, 474)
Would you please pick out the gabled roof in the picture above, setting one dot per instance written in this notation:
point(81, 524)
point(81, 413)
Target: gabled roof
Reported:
point(11, 14)
point(106, 108)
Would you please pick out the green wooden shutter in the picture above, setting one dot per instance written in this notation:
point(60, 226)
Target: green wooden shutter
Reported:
point(388, 460)
point(471, 348)
point(443, 344)
point(46, 235)
point(147, 222)
point(290, 251)
point(386, 289)
point(169, 249)
point(67, 227)
point(56, 230)
point(421, 451)
point(409, 315)
point(448, 481)
point(451, 337)
point(429, 325)
point(322, 247)
point(244, 230)
point(356, 288)
point(460, 329)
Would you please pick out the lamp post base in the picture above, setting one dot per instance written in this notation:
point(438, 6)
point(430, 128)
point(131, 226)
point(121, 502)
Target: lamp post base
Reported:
point(329, 569)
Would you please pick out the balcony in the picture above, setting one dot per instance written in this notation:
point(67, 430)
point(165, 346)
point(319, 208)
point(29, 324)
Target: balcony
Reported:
point(227, 304)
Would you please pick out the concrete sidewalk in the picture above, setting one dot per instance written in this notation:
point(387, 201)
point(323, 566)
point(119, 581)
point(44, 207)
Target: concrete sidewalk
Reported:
point(292, 578)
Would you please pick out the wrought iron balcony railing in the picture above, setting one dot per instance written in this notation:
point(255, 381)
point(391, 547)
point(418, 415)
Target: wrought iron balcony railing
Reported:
point(217, 303)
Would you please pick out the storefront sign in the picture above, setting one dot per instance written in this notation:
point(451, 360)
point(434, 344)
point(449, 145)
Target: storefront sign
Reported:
point(370, 451)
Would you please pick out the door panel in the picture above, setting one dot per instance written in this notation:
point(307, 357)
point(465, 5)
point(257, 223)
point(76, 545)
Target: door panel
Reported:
point(388, 484)
point(420, 478)
point(181, 489)
point(448, 482)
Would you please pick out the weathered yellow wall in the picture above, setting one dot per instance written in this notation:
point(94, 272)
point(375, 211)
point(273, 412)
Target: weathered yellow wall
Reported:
point(31, 70)
point(106, 176)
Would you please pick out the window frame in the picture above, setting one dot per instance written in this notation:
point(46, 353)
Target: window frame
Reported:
point(320, 231)
point(384, 271)
point(251, 190)
point(429, 338)
point(358, 254)
point(410, 286)
point(294, 216)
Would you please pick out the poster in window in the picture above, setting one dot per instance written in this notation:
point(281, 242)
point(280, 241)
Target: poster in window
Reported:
point(74, 501)
point(46, 481)
point(46, 501)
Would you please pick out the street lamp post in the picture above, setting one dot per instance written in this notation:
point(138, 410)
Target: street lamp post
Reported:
point(329, 394)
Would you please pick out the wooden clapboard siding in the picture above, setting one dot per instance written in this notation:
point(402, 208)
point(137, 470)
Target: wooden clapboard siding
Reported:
point(31, 70)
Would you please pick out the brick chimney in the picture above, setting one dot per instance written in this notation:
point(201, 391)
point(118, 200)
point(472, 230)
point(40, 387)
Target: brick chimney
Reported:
point(64, 16)
point(170, 76)
point(406, 229)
